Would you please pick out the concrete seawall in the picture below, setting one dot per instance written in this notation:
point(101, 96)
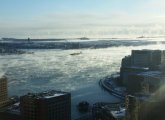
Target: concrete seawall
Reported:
point(110, 88)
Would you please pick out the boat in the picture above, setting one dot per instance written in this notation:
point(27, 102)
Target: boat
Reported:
point(77, 53)
point(141, 36)
point(84, 38)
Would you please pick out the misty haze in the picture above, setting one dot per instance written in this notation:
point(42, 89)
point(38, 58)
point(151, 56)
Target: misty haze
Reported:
point(82, 60)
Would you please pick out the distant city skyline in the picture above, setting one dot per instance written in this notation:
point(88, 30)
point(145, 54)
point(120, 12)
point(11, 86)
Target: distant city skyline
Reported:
point(78, 18)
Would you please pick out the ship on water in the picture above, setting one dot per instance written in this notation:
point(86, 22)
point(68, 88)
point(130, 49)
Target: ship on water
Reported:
point(84, 38)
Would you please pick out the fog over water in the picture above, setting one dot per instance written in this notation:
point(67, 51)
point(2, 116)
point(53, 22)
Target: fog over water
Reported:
point(57, 69)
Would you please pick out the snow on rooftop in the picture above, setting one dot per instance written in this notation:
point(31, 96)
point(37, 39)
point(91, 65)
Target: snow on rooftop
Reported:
point(119, 114)
point(46, 94)
point(55, 95)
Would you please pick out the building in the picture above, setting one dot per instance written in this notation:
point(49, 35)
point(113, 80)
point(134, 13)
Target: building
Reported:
point(49, 105)
point(133, 84)
point(131, 111)
point(145, 82)
point(141, 61)
point(108, 111)
point(141, 58)
point(144, 58)
point(3, 92)
point(134, 106)
point(12, 112)
point(147, 58)
point(152, 110)
point(125, 72)
point(152, 79)
point(144, 108)
point(126, 61)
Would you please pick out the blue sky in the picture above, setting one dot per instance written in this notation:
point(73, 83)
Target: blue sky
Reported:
point(76, 18)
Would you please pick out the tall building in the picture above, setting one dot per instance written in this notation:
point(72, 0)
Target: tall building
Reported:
point(144, 58)
point(147, 58)
point(3, 91)
point(141, 61)
point(49, 105)
point(141, 58)
point(131, 108)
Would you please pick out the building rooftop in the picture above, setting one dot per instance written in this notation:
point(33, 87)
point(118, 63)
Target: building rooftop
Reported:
point(145, 50)
point(119, 114)
point(2, 77)
point(46, 94)
point(14, 109)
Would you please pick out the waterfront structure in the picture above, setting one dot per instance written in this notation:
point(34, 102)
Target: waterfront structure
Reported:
point(142, 73)
point(48, 105)
point(3, 91)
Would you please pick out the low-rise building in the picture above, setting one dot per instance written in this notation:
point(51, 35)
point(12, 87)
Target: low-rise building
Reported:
point(48, 105)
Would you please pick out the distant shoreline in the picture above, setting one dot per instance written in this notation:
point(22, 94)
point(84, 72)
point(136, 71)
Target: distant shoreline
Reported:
point(80, 38)
point(78, 44)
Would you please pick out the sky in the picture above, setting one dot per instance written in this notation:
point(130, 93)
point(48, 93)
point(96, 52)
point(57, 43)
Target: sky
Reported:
point(78, 18)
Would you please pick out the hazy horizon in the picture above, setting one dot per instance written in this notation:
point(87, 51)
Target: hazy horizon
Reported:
point(78, 18)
